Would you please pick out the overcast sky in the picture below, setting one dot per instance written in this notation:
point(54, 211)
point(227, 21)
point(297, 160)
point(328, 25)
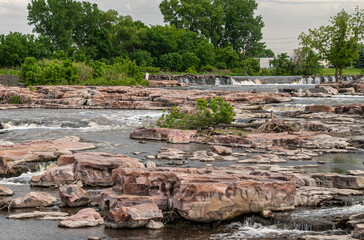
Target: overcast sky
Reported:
point(284, 19)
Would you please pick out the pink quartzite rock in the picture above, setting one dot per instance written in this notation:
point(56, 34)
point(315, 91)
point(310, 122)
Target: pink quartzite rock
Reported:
point(92, 168)
point(5, 191)
point(65, 160)
point(73, 196)
point(340, 181)
point(33, 200)
point(87, 217)
point(14, 156)
point(359, 231)
point(133, 217)
point(163, 134)
point(320, 108)
point(221, 150)
point(202, 195)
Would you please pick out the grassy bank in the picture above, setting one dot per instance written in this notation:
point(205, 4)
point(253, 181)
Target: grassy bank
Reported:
point(346, 71)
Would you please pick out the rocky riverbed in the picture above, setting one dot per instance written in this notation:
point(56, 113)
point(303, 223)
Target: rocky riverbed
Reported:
point(111, 171)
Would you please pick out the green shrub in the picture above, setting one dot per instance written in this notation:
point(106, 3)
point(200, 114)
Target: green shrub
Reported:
point(191, 70)
point(208, 114)
point(15, 100)
point(207, 68)
point(221, 65)
point(152, 70)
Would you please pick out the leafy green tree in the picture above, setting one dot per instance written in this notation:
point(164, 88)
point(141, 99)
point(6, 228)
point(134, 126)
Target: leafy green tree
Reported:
point(306, 62)
point(15, 47)
point(223, 22)
point(228, 56)
point(337, 42)
point(171, 61)
point(143, 58)
point(360, 62)
point(267, 53)
point(283, 66)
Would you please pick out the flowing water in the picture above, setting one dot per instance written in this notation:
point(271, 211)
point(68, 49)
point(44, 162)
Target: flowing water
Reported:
point(109, 130)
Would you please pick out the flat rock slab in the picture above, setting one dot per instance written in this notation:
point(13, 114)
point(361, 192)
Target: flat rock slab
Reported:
point(163, 134)
point(13, 157)
point(87, 217)
point(92, 168)
point(37, 214)
point(33, 200)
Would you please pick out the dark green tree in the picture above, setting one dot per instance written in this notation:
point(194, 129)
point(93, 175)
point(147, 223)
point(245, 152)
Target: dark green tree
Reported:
point(360, 62)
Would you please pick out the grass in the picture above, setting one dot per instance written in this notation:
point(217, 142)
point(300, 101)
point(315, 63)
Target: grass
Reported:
point(346, 71)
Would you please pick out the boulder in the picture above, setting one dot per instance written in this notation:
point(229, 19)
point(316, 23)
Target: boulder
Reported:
point(94, 169)
point(5, 191)
point(133, 217)
point(203, 156)
point(163, 134)
point(33, 200)
point(154, 225)
point(220, 150)
point(86, 217)
point(55, 177)
point(65, 160)
point(204, 195)
point(73, 196)
point(150, 164)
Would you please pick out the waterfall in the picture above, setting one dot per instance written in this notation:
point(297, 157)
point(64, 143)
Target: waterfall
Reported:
point(217, 82)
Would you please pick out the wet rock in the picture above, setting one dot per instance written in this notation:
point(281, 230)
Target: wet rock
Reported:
point(37, 214)
point(133, 217)
point(329, 237)
point(313, 196)
point(94, 169)
point(171, 154)
point(340, 181)
point(163, 134)
point(13, 158)
point(33, 200)
point(87, 217)
point(359, 231)
point(220, 150)
point(154, 225)
point(356, 172)
point(73, 196)
point(151, 157)
point(5, 191)
point(55, 177)
point(150, 164)
point(319, 108)
point(267, 214)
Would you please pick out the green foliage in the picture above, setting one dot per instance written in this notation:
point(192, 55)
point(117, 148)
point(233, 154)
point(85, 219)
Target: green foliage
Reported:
point(143, 58)
point(282, 65)
point(208, 114)
point(207, 68)
point(15, 100)
point(191, 70)
point(171, 61)
point(305, 62)
point(221, 65)
point(360, 62)
point(337, 42)
point(223, 22)
point(152, 70)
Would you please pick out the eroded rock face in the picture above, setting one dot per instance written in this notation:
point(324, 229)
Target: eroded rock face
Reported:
point(33, 200)
point(320, 108)
point(133, 217)
point(73, 196)
point(163, 134)
point(92, 168)
point(340, 181)
point(359, 231)
point(87, 217)
point(5, 191)
point(13, 157)
point(221, 150)
point(202, 195)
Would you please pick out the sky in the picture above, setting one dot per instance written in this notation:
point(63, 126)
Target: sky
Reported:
point(284, 19)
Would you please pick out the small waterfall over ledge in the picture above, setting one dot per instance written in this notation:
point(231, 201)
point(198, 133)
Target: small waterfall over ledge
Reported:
point(218, 80)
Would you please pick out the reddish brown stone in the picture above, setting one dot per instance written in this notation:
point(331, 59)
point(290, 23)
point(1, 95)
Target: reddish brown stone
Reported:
point(65, 160)
point(320, 108)
point(164, 134)
point(73, 196)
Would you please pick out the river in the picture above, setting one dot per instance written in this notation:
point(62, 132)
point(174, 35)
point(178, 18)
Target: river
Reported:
point(109, 130)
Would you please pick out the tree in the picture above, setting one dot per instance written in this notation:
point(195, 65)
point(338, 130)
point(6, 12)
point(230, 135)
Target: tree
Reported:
point(282, 65)
point(360, 62)
point(337, 42)
point(306, 62)
point(224, 22)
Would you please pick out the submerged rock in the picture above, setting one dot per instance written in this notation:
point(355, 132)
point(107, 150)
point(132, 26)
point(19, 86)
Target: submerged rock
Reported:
point(33, 200)
point(171, 154)
point(73, 196)
point(37, 214)
point(221, 150)
point(87, 217)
